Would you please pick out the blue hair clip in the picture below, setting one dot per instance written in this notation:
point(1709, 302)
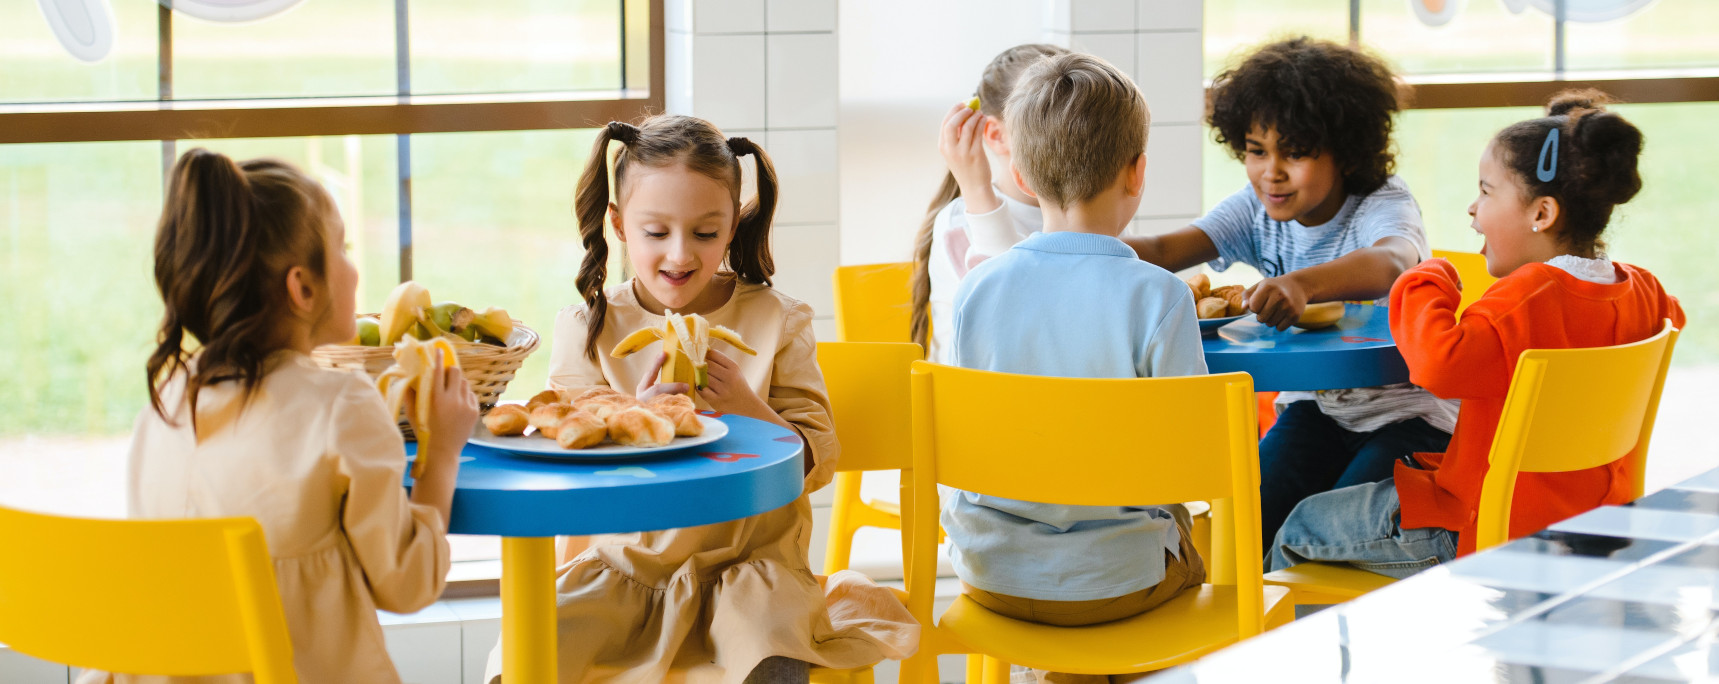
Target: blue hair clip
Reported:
point(1547, 168)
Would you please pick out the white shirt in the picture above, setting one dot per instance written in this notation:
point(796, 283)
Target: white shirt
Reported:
point(960, 241)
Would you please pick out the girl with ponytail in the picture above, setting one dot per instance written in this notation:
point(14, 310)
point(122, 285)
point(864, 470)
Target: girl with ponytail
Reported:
point(1547, 190)
point(643, 607)
point(251, 264)
point(979, 211)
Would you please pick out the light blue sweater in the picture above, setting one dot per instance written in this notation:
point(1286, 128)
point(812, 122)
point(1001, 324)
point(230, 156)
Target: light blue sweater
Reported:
point(1069, 305)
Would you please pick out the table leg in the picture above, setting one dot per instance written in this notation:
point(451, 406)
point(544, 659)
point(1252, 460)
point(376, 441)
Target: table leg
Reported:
point(528, 609)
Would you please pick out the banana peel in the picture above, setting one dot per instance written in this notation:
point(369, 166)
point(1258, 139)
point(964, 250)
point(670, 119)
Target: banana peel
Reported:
point(493, 323)
point(406, 306)
point(686, 342)
point(414, 370)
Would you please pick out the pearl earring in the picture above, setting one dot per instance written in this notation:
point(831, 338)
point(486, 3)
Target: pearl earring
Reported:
point(1536, 228)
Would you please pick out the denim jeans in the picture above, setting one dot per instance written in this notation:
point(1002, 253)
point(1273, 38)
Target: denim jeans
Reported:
point(1306, 452)
point(1362, 526)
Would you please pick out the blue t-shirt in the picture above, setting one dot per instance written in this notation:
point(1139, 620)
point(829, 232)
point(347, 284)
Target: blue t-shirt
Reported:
point(1244, 234)
point(1068, 305)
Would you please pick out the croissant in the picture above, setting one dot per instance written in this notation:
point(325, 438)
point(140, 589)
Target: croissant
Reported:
point(1200, 284)
point(605, 405)
point(1237, 302)
point(1211, 307)
point(547, 396)
point(639, 427)
point(580, 430)
point(547, 418)
point(594, 392)
point(507, 420)
point(680, 400)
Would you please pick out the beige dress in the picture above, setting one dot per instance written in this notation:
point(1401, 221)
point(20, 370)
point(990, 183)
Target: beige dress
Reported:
point(706, 604)
point(318, 462)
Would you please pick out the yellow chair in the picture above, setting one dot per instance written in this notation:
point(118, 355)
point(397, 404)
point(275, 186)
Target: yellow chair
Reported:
point(1471, 268)
point(1057, 440)
point(159, 597)
point(874, 302)
point(1568, 409)
point(868, 388)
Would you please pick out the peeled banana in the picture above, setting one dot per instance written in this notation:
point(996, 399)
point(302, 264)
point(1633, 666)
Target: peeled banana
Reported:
point(414, 369)
point(686, 340)
point(405, 308)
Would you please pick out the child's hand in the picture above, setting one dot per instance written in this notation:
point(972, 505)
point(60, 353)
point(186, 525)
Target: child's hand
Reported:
point(649, 387)
point(962, 144)
point(1277, 302)
point(727, 391)
point(453, 412)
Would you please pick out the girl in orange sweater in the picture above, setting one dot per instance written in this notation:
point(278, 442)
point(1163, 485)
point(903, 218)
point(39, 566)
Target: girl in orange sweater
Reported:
point(1547, 190)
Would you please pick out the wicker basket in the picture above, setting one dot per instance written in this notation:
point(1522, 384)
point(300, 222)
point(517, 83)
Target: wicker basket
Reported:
point(487, 367)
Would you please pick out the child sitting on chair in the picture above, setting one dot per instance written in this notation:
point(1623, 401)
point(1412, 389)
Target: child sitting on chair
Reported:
point(1074, 301)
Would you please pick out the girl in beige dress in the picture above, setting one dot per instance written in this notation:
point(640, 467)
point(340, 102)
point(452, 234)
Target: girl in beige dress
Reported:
point(730, 602)
point(251, 264)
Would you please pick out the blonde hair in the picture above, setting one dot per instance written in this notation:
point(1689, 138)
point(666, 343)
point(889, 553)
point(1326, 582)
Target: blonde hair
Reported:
point(995, 84)
point(1074, 122)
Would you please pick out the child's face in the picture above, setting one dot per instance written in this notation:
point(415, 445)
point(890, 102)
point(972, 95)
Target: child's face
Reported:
point(342, 281)
point(1294, 185)
point(1502, 217)
point(677, 224)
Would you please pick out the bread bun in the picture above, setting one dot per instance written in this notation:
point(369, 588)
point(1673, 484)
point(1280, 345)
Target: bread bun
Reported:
point(1200, 284)
point(638, 426)
point(507, 420)
point(580, 430)
point(547, 396)
point(1321, 315)
point(1211, 307)
point(547, 418)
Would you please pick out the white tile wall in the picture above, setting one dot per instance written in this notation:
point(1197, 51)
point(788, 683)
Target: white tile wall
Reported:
point(1116, 48)
point(801, 86)
point(480, 628)
point(1169, 75)
point(17, 668)
point(806, 170)
point(1172, 171)
point(728, 80)
point(677, 63)
point(1102, 15)
point(825, 328)
point(1159, 226)
point(1166, 15)
point(728, 16)
point(800, 15)
point(805, 258)
point(1057, 15)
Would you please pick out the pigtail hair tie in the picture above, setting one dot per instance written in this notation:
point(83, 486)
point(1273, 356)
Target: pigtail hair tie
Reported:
point(741, 146)
point(624, 132)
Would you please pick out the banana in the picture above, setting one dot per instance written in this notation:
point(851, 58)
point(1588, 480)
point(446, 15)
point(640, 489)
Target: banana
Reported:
point(414, 369)
point(686, 341)
point(406, 307)
point(494, 323)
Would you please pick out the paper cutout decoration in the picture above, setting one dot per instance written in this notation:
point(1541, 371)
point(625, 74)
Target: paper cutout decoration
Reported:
point(85, 27)
point(1441, 12)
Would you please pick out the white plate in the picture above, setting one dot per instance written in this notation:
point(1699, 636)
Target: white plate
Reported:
point(534, 444)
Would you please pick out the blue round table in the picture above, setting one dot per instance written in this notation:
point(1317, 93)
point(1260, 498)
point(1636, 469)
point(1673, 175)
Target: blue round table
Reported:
point(528, 500)
point(1357, 352)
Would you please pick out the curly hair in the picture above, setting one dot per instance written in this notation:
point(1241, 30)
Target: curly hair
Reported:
point(1320, 97)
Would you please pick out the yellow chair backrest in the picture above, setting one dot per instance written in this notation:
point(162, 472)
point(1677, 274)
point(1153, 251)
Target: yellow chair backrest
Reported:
point(1471, 268)
point(1105, 442)
point(1573, 409)
point(159, 597)
point(868, 388)
point(874, 302)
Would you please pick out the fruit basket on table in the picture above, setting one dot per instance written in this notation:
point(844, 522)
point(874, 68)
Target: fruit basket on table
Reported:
point(488, 361)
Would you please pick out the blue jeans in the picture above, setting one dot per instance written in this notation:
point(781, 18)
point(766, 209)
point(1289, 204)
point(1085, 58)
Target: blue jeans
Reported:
point(1306, 452)
point(1362, 526)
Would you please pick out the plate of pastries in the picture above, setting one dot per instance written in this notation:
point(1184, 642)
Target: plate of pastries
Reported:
point(1216, 306)
point(599, 423)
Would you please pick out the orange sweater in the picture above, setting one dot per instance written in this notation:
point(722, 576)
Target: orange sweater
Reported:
point(1473, 358)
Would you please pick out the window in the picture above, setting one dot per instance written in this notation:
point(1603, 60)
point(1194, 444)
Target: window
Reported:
point(475, 170)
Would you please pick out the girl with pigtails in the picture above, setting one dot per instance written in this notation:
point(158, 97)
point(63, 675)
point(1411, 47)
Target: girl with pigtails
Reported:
point(731, 602)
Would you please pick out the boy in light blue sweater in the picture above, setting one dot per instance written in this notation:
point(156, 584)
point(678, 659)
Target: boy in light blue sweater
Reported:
point(1074, 301)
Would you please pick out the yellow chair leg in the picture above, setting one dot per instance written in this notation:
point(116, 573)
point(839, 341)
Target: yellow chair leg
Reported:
point(528, 609)
point(996, 671)
point(975, 668)
point(839, 551)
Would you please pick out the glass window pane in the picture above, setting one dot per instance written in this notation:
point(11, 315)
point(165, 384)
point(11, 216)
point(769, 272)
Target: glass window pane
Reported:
point(38, 69)
point(493, 225)
point(1235, 26)
point(1668, 33)
point(1482, 36)
point(313, 49)
point(515, 45)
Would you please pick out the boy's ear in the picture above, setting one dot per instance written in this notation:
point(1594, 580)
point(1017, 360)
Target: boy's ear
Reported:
point(1137, 176)
point(615, 220)
point(301, 291)
point(1022, 182)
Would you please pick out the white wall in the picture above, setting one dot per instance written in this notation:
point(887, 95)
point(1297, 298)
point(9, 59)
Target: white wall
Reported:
point(902, 64)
